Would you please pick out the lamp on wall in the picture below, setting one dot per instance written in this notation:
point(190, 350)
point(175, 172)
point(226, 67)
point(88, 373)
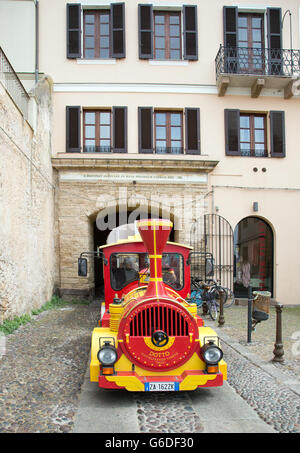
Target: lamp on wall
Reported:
point(291, 35)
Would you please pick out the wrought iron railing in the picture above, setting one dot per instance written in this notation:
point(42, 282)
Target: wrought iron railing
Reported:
point(254, 152)
point(259, 62)
point(97, 149)
point(168, 150)
point(13, 85)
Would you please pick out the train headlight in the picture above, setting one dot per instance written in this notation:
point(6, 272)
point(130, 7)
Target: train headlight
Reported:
point(107, 355)
point(211, 354)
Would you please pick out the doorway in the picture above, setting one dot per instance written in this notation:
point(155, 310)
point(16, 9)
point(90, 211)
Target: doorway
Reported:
point(253, 256)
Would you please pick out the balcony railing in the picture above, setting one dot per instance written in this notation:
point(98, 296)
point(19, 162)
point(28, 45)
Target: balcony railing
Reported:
point(13, 84)
point(168, 150)
point(97, 149)
point(257, 62)
point(109, 149)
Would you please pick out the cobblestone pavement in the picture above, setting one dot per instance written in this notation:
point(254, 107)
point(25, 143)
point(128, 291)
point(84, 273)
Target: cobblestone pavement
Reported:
point(167, 413)
point(42, 370)
point(44, 366)
point(263, 338)
point(275, 403)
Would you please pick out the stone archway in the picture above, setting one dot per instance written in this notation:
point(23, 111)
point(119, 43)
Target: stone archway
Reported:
point(111, 217)
point(253, 256)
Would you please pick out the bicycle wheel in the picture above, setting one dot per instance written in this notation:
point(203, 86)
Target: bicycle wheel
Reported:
point(196, 297)
point(230, 299)
point(217, 292)
point(213, 310)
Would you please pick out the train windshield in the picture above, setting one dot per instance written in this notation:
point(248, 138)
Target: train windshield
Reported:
point(129, 267)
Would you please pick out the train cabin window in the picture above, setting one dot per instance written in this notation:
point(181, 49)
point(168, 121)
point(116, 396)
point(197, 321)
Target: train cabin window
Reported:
point(126, 268)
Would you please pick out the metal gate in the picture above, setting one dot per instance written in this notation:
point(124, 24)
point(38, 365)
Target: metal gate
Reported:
point(212, 234)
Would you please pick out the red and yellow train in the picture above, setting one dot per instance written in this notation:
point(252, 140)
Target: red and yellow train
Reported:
point(150, 337)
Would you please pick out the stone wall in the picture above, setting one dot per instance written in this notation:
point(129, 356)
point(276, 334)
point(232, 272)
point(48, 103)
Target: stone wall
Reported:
point(27, 252)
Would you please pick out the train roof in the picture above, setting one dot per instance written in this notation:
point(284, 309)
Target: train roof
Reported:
point(137, 238)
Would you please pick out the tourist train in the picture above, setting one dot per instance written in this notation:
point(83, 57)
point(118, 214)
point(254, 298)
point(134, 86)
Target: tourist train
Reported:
point(149, 336)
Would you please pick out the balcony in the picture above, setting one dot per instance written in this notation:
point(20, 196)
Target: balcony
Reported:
point(257, 68)
point(13, 85)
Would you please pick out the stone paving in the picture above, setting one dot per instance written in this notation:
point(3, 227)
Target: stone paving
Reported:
point(44, 365)
point(167, 413)
point(42, 370)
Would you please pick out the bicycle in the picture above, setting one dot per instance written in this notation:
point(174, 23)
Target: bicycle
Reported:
point(206, 293)
point(229, 298)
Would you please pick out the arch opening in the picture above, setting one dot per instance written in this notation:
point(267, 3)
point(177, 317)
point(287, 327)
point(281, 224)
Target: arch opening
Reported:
point(122, 217)
point(253, 256)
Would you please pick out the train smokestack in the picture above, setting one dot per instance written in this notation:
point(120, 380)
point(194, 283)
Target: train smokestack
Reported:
point(155, 233)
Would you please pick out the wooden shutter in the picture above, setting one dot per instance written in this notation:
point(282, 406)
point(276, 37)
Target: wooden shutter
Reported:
point(274, 40)
point(145, 130)
point(192, 131)
point(120, 129)
point(145, 31)
point(277, 133)
point(117, 13)
point(190, 32)
point(232, 132)
point(73, 127)
point(73, 30)
point(230, 20)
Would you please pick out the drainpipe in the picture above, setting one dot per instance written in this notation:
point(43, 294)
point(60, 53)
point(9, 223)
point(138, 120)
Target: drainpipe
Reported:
point(36, 3)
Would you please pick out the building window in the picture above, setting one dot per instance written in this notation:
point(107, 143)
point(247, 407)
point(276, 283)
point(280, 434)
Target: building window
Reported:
point(96, 39)
point(167, 36)
point(160, 33)
point(103, 32)
point(246, 133)
point(253, 137)
point(246, 50)
point(97, 131)
point(168, 132)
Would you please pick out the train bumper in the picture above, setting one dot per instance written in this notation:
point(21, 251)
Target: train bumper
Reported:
point(189, 380)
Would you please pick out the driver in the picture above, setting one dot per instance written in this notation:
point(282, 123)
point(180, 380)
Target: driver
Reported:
point(130, 272)
point(169, 276)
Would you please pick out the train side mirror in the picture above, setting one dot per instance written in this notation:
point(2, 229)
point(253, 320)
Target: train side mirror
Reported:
point(82, 267)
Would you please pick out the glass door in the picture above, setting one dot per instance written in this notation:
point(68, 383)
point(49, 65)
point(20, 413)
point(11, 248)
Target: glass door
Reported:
point(251, 43)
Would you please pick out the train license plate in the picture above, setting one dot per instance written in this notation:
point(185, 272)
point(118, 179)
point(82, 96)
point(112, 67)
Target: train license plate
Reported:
point(161, 386)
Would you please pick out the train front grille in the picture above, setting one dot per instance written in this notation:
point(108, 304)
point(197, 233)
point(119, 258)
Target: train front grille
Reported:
point(159, 317)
